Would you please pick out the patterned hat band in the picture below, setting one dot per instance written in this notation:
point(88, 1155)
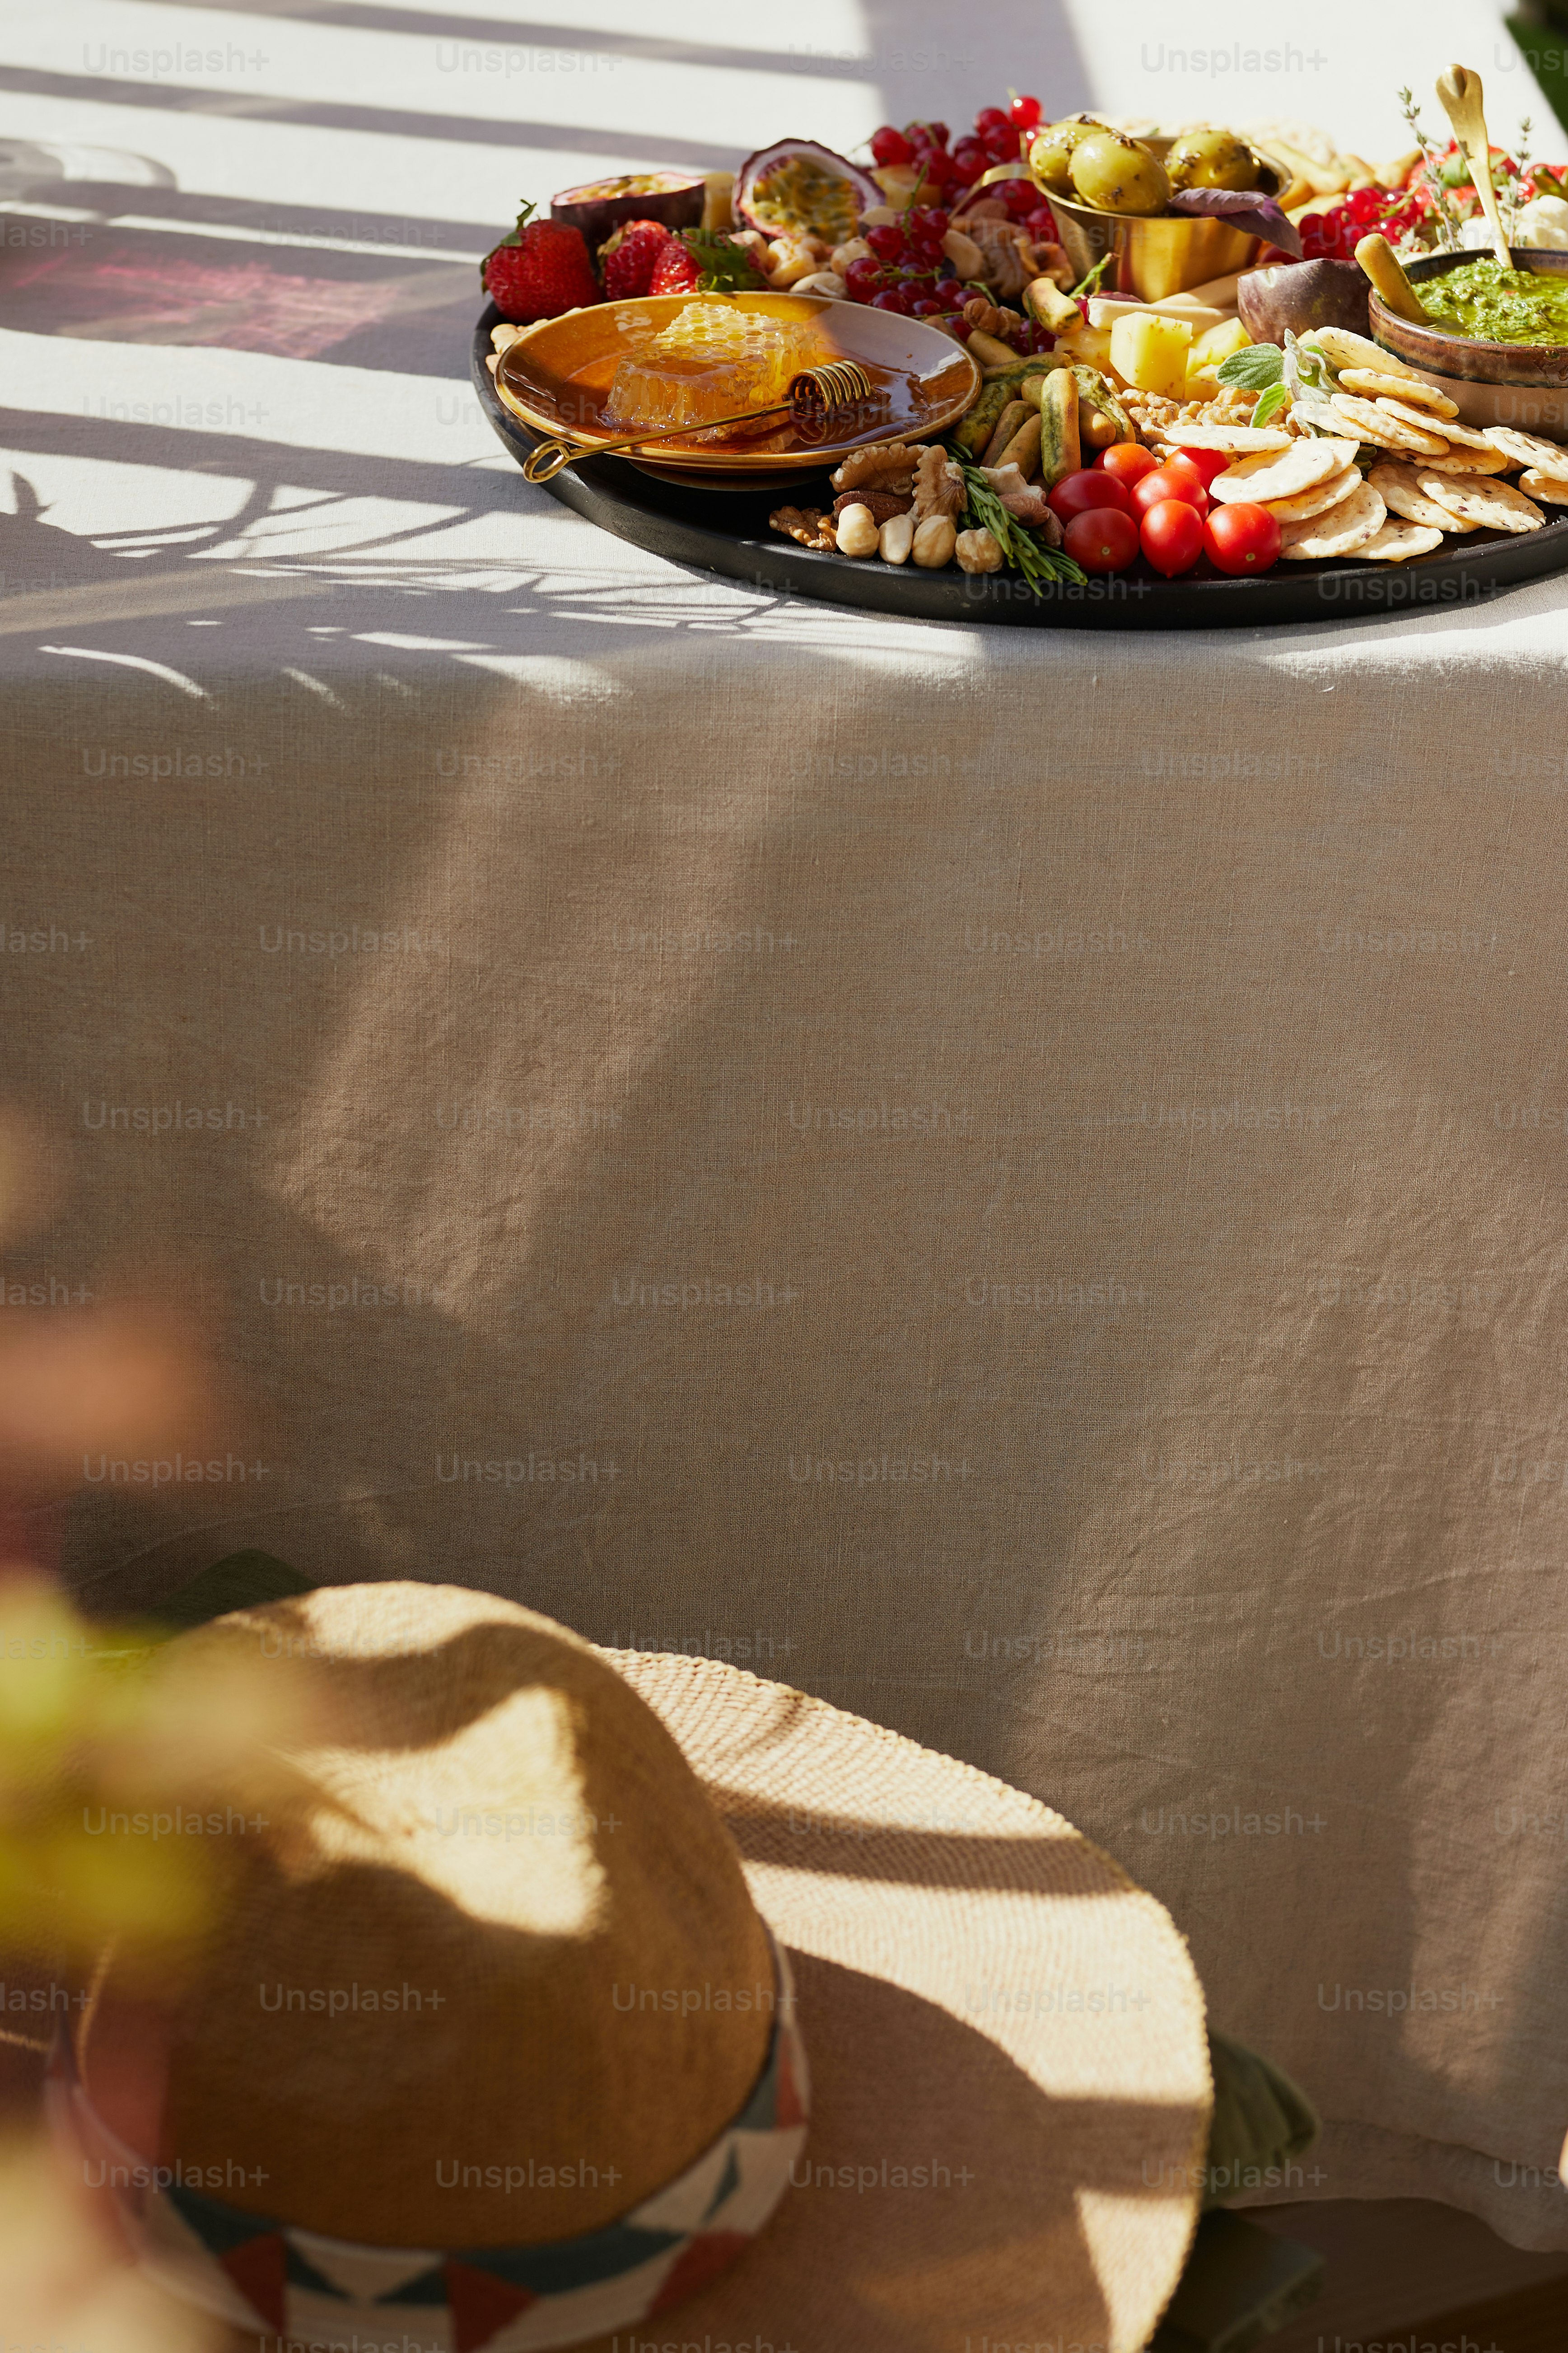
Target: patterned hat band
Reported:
point(260, 2275)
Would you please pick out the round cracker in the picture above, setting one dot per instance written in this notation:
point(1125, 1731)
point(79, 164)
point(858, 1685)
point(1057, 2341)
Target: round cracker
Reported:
point(1376, 382)
point(1282, 474)
point(1344, 530)
point(1394, 542)
point(1312, 411)
point(1344, 349)
point(1372, 420)
point(1462, 437)
point(1528, 449)
point(1496, 506)
point(1461, 459)
point(1246, 441)
point(1395, 481)
point(1442, 428)
point(1550, 486)
point(1317, 500)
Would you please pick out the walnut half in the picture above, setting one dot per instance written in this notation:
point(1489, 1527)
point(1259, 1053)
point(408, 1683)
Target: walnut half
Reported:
point(883, 466)
point(809, 525)
point(939, 486)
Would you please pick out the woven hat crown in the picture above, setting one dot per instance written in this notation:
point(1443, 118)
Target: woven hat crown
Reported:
point(490, 1974)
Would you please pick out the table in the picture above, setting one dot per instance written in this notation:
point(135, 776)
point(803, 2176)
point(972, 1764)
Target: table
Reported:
point(1016, 1182)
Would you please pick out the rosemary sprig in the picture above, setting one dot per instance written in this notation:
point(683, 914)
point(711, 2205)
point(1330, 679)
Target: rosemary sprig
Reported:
point(984, 511)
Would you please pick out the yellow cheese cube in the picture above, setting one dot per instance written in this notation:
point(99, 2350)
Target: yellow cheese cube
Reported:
point(1218, 344)
point(1150, 353)
point(1091, 345)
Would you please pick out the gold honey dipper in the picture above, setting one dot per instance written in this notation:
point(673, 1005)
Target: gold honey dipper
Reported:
point(815, 399)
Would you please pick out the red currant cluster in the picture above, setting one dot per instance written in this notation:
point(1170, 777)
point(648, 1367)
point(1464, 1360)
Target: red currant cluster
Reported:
point(910, 273)
point(1333, 235)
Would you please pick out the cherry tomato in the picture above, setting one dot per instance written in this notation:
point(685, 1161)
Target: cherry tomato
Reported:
point(1242, 537)
point(1176, 478)
point(1207, 463)
point(1172, 536)
point(1102, 539)
point(1125, 461)
point(1079, 493)
point(1025, 113)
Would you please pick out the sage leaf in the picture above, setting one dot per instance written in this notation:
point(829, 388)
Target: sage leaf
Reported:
point(1255, 368)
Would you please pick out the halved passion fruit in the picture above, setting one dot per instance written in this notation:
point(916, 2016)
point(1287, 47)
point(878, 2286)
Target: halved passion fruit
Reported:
point(600, 207)
point(796, 185)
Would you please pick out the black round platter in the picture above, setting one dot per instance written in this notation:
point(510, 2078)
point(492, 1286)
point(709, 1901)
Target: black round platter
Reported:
point(727, 531)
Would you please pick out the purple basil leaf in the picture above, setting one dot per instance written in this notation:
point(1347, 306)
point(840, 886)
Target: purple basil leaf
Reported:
point(1247, 209)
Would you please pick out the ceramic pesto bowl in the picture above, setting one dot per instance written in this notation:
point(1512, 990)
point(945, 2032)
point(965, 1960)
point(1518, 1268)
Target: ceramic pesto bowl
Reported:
point(1522, 385)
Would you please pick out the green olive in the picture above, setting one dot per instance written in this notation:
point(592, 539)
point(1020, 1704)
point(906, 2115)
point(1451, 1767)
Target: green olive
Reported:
point(1118, 174)
point(1051, 154)
point(1212, 159)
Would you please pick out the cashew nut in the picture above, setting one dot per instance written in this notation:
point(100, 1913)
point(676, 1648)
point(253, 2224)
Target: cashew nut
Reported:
point(857, 249)
point(788, 261)
point(967, 259)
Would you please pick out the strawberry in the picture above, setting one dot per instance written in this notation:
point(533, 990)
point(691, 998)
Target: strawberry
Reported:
point(676, 269)
point(697, 263)
point(540, 270)
point(626, 263)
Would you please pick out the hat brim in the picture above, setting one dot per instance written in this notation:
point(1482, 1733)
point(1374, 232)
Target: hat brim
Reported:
point(1011, 2091)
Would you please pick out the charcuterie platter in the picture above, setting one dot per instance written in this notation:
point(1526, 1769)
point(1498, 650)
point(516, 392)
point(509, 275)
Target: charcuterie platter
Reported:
point(812, 377)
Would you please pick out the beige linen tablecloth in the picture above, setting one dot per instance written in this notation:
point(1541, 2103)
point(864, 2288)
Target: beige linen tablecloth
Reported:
point(1018, 1181)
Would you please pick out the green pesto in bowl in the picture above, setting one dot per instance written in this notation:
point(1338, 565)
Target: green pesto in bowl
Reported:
point(1499, 306)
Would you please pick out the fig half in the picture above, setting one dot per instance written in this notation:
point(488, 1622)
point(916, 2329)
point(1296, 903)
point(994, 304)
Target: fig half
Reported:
point(1299, 295)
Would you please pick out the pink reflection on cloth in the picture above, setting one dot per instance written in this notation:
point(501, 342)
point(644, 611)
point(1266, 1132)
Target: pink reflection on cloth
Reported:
point(112, 289)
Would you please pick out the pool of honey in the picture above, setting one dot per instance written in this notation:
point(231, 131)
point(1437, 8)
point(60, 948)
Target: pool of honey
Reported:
point(898, 404)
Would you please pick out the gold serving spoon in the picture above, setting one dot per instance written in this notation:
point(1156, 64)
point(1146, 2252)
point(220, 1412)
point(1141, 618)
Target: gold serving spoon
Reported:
point(1461, 92)
point(817, 401)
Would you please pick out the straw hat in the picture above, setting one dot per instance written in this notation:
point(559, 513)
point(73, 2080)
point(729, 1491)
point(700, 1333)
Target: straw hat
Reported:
point(494, 2044)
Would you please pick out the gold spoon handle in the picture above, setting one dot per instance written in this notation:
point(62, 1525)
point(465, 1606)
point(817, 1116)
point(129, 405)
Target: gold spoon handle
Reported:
point(1461, 92)
point(554, 456)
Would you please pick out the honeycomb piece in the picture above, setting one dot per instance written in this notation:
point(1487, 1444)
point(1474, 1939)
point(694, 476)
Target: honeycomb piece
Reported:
point(712, 360)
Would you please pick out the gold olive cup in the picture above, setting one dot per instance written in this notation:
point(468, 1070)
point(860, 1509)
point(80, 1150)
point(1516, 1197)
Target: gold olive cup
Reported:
point(1159, 254)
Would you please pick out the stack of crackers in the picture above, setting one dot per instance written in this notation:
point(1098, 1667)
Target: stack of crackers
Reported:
point(1379, 469)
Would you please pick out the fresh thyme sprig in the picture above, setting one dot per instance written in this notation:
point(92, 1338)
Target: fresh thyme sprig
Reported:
point(1091, 285)
point(1516, 194)
point(1446, 216)
point(985, 511)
